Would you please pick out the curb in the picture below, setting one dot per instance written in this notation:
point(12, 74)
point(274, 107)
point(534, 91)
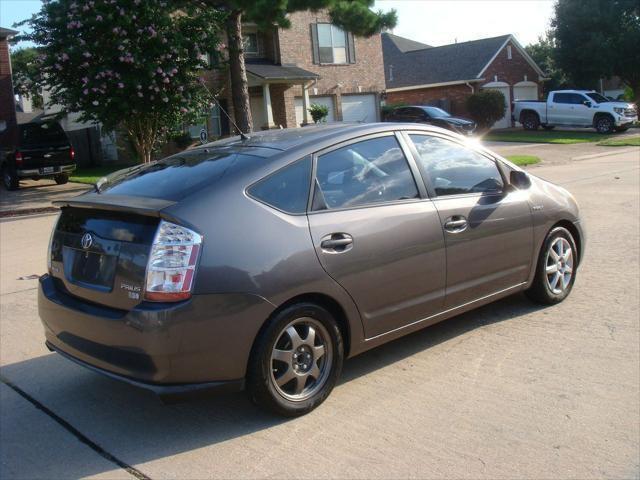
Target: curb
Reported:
point(28, 211)
point(606, 154)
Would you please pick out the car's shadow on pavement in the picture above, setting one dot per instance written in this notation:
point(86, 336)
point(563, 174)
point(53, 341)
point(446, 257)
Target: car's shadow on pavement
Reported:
point(136, 427)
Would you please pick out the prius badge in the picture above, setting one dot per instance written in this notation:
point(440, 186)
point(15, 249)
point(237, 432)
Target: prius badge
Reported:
point(86, 241)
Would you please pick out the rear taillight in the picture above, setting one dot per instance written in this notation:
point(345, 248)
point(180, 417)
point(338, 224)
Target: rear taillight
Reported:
point(19, 158)
point(172, 263)
point(72, 153)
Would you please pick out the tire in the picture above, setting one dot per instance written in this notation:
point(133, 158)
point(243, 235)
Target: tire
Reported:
point(550, 287)
point(61, 178)
point(604, 124)
point(9, 178)
point(548, 127)
point(311, 376)
point(530, 121)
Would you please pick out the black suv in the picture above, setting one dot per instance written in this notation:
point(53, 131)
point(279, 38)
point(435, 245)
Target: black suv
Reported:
point(431, 116)
point(43, 151)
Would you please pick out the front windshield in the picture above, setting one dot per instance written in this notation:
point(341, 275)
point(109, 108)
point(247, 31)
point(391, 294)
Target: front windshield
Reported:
point(435, 112)
point(596, 97)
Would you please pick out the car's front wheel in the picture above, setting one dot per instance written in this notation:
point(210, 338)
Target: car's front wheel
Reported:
point(556, 268)
point(296, 361)
point(604, 124)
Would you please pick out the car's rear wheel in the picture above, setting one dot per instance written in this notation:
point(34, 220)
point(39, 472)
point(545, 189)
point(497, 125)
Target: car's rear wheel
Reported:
point(296, 361)
point(530, 121)
point(604, 124)
point(9, 178)
point(61, 179)
point(556, 268)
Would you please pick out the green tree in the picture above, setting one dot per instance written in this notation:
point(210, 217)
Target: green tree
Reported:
point(486, 108)
point(24, 69)
point(134, 64)
point(598, 38)
point(355, 16)
point(543, 53)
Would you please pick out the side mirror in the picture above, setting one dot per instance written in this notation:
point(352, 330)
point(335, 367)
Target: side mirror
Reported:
point(519, 179)
point(587, 103)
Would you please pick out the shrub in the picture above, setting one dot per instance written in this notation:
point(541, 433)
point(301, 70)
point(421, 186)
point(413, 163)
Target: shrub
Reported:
point(318, 112)
point(486, 108)
point(385, 110)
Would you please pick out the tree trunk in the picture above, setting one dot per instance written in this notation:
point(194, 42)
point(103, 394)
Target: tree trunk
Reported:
point(238, 72)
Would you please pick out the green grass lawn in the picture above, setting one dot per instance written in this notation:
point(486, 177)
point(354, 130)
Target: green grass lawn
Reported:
point(522, 160)
point(91, 175)
point(621, 142)
point(543, 136)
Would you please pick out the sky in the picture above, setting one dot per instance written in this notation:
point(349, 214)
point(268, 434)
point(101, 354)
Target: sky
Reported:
point(434, 22)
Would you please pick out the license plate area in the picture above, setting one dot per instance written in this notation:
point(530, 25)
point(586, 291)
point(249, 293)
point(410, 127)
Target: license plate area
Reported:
point(46, 170)
point(90, 269)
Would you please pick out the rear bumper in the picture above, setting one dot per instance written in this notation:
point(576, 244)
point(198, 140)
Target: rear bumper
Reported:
point(38, 172)
point(200, 345)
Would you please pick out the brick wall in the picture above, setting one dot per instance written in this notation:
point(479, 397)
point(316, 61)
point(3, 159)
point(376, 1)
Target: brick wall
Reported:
point(455, 94)
point(367, 73)
point(511, 71)
point(7, 102)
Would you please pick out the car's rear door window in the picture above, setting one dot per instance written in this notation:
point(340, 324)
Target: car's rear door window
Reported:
point(362, 173)
point(454, 169)
point(287, 189)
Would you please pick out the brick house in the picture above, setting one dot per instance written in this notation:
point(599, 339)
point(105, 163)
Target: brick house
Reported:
point(310, 62)
point(8, 125)
point(419, 74)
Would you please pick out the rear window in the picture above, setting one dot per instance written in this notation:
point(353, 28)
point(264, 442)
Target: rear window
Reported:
point(287, 189)
point(47, 133)
point(175, 177)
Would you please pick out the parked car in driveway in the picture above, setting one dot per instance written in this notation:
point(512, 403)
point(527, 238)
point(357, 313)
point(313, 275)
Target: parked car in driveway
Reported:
point(432, 116)
point(265, 262)
point(43, 151)
point(575, 108)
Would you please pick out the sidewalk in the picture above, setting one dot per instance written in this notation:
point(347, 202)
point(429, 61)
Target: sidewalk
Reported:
point(36, 197)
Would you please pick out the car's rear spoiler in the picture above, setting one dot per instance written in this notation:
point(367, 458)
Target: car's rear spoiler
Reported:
point(120, 203)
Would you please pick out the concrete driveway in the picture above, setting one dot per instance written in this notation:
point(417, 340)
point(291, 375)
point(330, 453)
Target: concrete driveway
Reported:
point(36, 196)
point(512, 390)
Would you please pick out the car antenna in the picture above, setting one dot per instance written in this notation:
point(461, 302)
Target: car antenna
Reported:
point(243, 136)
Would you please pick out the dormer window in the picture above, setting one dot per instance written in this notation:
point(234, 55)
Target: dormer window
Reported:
point(331, 44)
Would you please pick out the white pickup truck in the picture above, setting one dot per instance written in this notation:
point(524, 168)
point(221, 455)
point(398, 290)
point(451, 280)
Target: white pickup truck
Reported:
point(575, 108)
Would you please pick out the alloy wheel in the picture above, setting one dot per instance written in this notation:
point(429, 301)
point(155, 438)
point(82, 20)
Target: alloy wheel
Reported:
point(301, 359)
point(604, 125)
point(559, 265)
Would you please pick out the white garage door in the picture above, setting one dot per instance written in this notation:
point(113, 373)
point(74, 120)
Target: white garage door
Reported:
point(328, 101)
point(359, 108)
point(503, 88)
point(525, 92)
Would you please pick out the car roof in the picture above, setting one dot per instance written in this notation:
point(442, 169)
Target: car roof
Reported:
point(288, 138)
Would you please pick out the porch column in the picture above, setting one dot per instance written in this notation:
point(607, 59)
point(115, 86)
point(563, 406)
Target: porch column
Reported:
point(268, 111)
point(305, 104)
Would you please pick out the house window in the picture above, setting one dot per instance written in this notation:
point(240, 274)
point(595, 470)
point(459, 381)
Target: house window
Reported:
point(332, 44)
point(250, 43)
point(509, 57)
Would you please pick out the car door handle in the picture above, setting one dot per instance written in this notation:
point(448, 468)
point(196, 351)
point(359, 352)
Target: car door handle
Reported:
point(456, 224)
point(336, 242)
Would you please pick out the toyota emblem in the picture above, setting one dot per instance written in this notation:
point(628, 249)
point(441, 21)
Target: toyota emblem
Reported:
point(86, 241)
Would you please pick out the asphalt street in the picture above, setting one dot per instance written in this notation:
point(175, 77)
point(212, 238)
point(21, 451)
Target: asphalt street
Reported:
point(511, 390)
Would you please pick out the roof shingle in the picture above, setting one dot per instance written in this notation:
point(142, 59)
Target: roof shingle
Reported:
point(448, 63)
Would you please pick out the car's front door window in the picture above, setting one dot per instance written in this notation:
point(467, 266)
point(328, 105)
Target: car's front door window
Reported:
point(362, 173)
point(454, 169)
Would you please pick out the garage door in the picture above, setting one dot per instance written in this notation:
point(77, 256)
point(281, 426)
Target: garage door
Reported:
point(525, 92)
point(359, 108)
point(503, 88)
point(328, 101)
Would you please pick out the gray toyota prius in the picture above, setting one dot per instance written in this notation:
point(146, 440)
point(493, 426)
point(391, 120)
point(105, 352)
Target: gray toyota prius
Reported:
point(263, 262)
